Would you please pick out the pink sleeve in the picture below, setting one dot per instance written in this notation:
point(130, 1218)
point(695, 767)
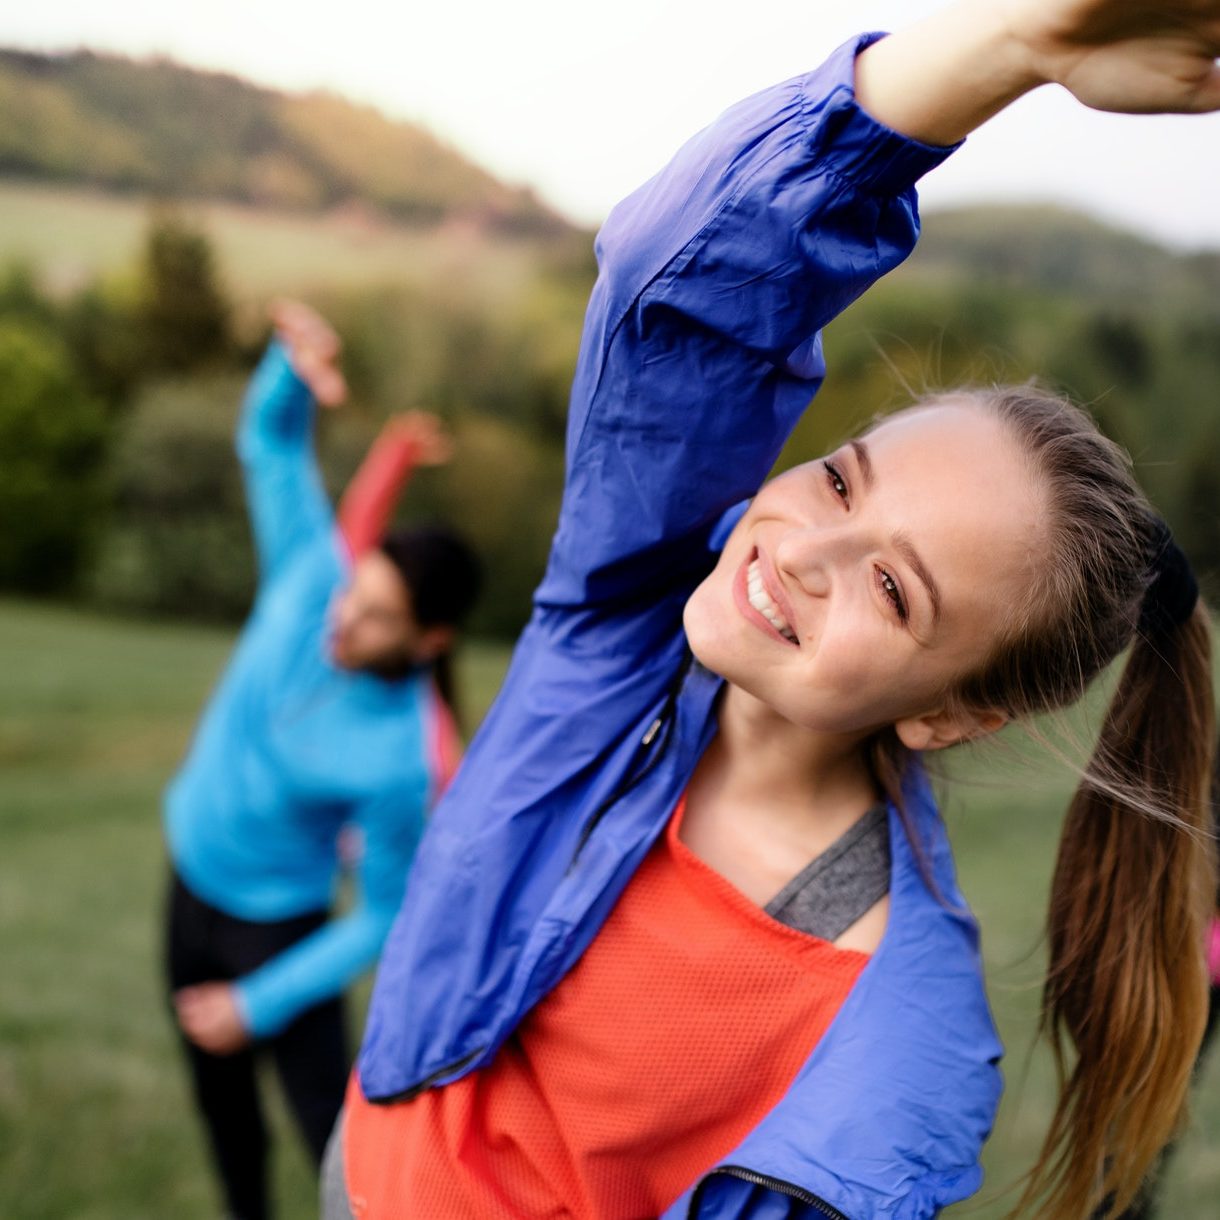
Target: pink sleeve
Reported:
point(368, 503)
point(1213, 949)
point(444, 746)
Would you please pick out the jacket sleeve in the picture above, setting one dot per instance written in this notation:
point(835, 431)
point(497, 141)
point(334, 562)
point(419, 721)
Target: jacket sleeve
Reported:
point(368, 503)
point(324, 964)
point(701, 343)
point(288, 506)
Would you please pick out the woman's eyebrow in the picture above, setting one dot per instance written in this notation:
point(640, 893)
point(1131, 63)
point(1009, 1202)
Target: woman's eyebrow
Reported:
point(904, 546)
point(863, 460)
point(902, 543)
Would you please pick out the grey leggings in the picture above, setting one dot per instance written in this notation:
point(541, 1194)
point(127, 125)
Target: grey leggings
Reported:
point(333, 1187)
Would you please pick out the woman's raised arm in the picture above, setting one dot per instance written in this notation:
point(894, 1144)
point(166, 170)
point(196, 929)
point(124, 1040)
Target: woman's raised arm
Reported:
point(941, 78)
point(701, 347)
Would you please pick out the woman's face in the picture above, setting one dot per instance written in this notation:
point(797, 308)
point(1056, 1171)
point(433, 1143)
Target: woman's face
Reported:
point(858, 588)
point(373, 625)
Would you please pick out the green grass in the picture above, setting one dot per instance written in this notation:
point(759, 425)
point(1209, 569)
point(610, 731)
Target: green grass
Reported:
point(95, 1121)
point(1004, 810)
point(71, 235)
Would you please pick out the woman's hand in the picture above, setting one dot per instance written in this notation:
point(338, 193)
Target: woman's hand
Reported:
point(1131, 56)
point(940, 79)
point(210, 1017)
point(313, 347)
point(424, 434)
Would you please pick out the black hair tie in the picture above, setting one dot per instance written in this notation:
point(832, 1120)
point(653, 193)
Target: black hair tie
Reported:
point(1173, 591)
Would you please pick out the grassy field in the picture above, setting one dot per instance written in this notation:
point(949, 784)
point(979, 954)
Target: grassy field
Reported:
point(71, 235)
point(94, 1117)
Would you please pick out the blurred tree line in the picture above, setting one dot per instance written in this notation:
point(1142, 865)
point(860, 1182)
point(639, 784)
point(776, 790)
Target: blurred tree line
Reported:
point(118, 481)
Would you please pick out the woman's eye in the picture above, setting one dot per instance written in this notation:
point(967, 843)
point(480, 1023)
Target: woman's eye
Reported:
point(889, 586)
point(837, 483)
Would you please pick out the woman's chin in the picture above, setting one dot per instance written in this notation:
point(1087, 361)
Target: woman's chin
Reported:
point(717, 655)
point(340, 654)
point(702, 636)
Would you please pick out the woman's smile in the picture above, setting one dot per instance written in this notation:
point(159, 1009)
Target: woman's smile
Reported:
point(762, 603)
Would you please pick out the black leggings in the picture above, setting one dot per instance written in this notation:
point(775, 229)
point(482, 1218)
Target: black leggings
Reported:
point(310, 1055)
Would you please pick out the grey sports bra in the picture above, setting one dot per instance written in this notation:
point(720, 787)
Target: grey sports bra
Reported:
point(827, 896)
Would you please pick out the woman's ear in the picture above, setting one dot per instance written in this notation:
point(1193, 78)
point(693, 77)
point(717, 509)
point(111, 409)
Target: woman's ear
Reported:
point(936, 730)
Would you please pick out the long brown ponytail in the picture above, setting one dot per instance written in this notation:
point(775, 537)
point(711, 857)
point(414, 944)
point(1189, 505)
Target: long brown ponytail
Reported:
point(1126, 986)
point(1125, 998)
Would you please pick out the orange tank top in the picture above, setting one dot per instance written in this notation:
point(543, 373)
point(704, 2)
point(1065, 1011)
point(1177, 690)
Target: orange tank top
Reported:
point(680, 1027)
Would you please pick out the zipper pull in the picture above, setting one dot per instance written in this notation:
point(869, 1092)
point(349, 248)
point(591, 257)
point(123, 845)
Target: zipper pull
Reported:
point(653, 729)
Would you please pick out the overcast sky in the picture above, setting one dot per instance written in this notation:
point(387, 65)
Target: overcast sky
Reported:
point(583, 101)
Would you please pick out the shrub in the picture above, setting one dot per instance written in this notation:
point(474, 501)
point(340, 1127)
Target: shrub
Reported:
point(52, 446)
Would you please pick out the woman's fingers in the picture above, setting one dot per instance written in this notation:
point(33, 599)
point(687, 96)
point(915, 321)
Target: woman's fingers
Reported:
point(298, 323)
point(426, 434)
point(313, 347)
point(941, 78)
point(1131, 56)
point(209, 1017)
point(319, 372)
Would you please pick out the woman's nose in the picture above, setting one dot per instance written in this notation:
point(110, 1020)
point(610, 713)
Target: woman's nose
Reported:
point(810, 555)
point(346, 611)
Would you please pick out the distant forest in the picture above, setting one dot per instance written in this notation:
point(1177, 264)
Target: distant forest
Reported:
point(119, 392)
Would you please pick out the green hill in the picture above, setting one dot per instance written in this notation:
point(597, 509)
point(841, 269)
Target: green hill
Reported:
point(84, 121)
point(156, 127)
point(1066, 254)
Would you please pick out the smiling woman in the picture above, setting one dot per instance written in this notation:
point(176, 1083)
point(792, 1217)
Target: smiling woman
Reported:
point(884, 569)
point(712, 959)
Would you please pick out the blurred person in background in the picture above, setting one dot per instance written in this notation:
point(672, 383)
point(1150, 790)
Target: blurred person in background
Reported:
point(330, 735)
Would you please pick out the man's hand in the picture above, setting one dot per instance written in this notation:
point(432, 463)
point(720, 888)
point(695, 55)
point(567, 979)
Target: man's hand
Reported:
point(210, 1018)
point(313, 347)
point(425, 435)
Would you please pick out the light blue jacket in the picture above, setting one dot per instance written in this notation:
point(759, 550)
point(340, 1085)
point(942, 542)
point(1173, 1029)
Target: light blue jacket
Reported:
point(291, 748)
point(701, 349)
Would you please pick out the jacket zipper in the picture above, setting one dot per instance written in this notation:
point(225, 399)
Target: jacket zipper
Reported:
point(428, 1081)
point(632, 777)
point(776, 1184)
point(663, 720)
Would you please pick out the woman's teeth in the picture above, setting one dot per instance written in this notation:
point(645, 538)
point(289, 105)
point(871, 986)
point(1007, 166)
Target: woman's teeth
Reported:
point(757, 597)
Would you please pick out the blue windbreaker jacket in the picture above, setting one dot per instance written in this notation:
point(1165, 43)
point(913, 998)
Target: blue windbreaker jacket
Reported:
point(701, 349)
